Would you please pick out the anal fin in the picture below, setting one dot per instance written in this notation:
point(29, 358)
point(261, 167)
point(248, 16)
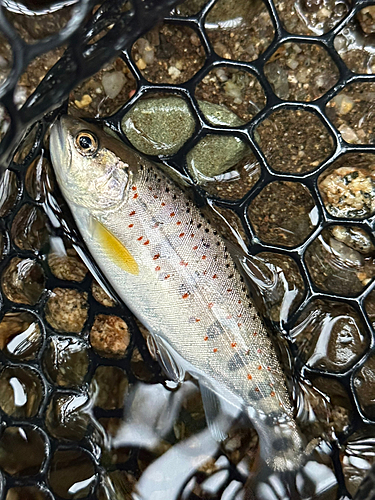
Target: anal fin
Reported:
point(218, 420)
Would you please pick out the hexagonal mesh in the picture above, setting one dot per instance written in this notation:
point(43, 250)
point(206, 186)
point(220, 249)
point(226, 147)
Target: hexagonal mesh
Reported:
point(285, 72)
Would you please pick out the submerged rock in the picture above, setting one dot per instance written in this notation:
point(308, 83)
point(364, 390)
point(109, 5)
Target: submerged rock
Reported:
point(162, 125)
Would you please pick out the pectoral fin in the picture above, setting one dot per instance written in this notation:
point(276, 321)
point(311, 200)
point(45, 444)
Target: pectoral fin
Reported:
point(114, 248)
point(212, 410)
point(220, 411)
point(160, 350)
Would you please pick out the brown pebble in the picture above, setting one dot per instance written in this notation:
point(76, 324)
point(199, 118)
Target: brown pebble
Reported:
point(110, 336)
point(67, 267)
point(101, 295)
point(140, 368)
point(66, 310)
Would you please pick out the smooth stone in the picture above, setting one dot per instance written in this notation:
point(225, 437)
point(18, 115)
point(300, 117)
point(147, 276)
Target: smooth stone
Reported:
point(161, 126)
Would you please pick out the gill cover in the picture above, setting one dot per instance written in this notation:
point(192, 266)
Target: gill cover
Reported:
point(92, 167)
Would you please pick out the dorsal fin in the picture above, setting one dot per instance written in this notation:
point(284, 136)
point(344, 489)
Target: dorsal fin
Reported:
point(114, 248)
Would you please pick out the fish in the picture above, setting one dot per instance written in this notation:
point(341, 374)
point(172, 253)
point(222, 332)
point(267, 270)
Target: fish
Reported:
point(174, 271)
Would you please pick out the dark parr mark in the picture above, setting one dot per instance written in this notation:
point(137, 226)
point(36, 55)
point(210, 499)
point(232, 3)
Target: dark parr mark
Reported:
point(282, 444)
point(214, 330)
point(255, 394)
point(237, 361)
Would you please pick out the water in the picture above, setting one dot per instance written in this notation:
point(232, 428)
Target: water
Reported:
point(75, 368)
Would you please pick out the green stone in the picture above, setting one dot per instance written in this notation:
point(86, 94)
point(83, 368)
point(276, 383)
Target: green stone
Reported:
point(214, 155)
point(159, 126)
point(218, 114)
point(162, 125)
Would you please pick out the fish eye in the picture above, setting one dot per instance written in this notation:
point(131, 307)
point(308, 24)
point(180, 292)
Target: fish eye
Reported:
point(87, 143)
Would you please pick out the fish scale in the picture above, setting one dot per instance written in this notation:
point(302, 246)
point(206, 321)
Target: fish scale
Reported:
point(197, 275)
point(174, 271)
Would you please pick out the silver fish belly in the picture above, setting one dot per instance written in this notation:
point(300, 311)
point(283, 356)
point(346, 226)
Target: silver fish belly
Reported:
point(173, 270)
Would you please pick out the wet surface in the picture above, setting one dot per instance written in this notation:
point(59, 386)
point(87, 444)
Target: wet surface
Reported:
point(75, 362)
point(22, 451)
point(330, 336)
point(168, 59)
point(301, 72)
point(287, 129)
point(21, 392)
point(241, 31)
point(347, 188)
point(20, 335)
point(66, 361)
point(288, 225)
point(340, 260)
point(239, 91)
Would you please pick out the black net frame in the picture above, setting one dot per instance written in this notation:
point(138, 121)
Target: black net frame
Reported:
point(81, 60)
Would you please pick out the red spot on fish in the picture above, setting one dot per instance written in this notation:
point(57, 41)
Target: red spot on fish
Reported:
point(192, 235)
point(162, 204)
point(157, 268)
point(269, 368)
point(131, 225)
point(172, 214)
point(255, 333)
point(239, 315)
point(239, 325)
point(156, 256)
point(240, 301)
point(167, 276)
point(150, 188)
point(178, 222)
point(215, 350)
point(156, 196)
point(182, 263)
point(259, 367)
point(197, 319)
point(272, 394)
point(229, 290)
point(185, 296)
point(134, 188)
point(204, 257)
point(214, 276)
point(132, 213)
point(233, 344)
point(135, 196)
point(205, 338)
point(257, 389)
point(205, 272)
point(181, 235)
point(139, 239)
point(249, 376)
point(195, 247)
point(210, 305)
point(146, 242)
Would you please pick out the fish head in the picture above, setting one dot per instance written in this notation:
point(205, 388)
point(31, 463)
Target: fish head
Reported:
point(92, 167)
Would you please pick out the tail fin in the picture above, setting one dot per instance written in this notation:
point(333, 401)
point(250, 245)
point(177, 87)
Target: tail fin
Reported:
point(282, 446)
point(288, 468)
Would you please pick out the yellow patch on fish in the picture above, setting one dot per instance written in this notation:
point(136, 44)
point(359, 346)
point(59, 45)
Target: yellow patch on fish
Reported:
point(115, 249)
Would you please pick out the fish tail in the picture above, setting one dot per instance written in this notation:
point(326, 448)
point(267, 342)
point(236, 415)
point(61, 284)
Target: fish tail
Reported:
point(282, 446)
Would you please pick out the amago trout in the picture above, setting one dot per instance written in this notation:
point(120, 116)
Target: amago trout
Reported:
point(173, 270)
